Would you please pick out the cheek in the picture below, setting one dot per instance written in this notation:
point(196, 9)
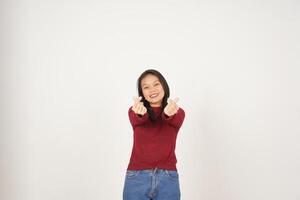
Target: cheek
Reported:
point(162, 90)
point(145, 93)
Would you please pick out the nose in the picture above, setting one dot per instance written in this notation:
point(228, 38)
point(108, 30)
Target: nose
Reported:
point(152, 90)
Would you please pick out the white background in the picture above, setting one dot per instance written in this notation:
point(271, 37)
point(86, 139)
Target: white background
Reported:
point(68, 75)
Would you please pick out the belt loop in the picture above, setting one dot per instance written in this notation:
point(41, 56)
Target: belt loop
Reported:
point(154, 170)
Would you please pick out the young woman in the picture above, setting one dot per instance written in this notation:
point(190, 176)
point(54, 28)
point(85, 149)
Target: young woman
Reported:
point(156, 120)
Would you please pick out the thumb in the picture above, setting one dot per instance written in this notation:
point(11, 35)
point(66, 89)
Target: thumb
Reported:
point(173, 101)
point(137, 99)
point(176, 99)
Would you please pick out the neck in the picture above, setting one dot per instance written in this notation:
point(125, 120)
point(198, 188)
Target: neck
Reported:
point(155, 105)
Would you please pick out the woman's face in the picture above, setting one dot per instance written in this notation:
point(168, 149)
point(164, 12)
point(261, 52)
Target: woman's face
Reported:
point(152, 90)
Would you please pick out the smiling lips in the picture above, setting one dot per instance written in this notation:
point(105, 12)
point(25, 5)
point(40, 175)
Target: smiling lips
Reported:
point(153, 95)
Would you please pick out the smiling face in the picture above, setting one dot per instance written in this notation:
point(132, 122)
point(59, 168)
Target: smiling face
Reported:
point(152, 90)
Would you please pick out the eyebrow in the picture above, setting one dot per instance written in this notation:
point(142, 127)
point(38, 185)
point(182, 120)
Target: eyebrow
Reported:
point(149, 84)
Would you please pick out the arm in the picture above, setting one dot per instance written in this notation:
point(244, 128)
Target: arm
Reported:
point(136, 119)
point(175, 120)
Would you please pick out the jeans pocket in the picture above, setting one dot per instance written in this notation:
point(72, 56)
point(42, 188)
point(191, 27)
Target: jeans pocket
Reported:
point(172, 174)
point(131, 173)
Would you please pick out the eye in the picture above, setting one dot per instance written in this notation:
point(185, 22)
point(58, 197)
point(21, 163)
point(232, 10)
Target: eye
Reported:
point(157, 84)
point(146, 87)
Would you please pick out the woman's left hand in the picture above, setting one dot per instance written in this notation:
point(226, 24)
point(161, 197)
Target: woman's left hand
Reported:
point(172, 107)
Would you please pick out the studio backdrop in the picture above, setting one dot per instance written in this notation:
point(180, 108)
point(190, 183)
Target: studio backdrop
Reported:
point(68, 76)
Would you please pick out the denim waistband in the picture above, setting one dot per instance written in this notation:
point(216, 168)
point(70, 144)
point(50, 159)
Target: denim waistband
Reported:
point(154, 170)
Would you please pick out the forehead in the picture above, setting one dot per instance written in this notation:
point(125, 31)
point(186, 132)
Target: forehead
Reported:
point(149, 79)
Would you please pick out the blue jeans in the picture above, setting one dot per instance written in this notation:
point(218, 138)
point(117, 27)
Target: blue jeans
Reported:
point(152, 184)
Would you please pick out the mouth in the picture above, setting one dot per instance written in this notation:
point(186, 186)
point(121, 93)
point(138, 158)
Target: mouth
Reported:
point(153, 95)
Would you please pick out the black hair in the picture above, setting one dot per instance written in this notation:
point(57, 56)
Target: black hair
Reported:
point(165, 86)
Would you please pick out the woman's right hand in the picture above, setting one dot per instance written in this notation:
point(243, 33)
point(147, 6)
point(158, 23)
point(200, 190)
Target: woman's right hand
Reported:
point(138, 106)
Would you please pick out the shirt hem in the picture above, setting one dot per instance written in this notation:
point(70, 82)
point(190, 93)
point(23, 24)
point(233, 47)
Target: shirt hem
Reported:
point(145, 167)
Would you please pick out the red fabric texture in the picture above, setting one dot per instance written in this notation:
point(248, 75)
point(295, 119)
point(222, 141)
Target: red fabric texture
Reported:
point(154, 142)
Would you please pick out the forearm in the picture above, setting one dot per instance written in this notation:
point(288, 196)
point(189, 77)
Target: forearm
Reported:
point(136, 119)
point(175, 120)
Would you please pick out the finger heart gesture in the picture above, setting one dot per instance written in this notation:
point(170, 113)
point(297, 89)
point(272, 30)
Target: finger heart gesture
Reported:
point(138, 106)
point(172, 107)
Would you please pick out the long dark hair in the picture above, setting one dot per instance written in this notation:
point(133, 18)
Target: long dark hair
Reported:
point(165, 86)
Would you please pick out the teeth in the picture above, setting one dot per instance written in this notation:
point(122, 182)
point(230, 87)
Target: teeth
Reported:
point(154, 95)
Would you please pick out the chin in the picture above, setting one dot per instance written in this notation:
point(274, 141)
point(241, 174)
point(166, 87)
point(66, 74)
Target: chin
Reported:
point(155, 102)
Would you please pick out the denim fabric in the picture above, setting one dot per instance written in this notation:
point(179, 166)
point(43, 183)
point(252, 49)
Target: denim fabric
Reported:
point(153, 184)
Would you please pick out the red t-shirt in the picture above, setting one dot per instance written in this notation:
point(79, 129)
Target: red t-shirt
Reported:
point(154, 142)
